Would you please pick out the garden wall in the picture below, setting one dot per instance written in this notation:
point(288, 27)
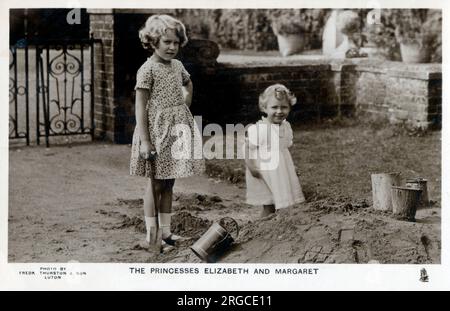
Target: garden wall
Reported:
point(401, 93)
point(380, 90)
point(226, 90)
point(232, 92)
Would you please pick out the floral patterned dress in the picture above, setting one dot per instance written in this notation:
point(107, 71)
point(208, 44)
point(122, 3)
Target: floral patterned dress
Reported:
point(172, 129)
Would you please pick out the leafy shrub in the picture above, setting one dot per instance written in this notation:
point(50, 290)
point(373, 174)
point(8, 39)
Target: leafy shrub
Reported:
point(420, 26)
point(309, 22)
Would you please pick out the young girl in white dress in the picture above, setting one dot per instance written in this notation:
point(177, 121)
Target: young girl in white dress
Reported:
point(270, 172)
point(166, 142)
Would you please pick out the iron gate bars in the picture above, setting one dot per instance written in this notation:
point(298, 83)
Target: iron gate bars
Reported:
point(16, 90)
point(63, 88)
point(64, 93)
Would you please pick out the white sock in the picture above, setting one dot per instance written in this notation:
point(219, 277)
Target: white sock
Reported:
point(149, 222)
point(164, 224)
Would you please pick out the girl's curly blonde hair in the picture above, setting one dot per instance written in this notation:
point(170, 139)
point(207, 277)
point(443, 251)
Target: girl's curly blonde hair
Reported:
point(278, 91)
point(156, 26)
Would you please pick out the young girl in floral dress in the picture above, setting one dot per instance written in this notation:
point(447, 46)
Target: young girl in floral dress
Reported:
point(166, 142)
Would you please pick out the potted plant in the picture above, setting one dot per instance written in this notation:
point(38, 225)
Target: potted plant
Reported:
point(413, 35)
point(295, 28)
point(379, 38)
point(419, 28)
point(433, 30)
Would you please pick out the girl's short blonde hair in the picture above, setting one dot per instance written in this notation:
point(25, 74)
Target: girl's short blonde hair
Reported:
point(278, 91)
point(156, 26)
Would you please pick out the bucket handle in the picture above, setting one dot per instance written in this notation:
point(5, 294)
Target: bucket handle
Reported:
point(235, 223)
point(227, 233)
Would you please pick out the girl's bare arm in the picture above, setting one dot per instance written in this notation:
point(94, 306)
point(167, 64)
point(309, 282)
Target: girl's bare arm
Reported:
point(187, 92)
point(252, 164)
point(142, 96)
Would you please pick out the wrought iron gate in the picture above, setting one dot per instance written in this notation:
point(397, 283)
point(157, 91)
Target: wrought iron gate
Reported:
point(51, 89)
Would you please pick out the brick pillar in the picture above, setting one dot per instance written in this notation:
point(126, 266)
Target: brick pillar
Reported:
point(105, 103)
point(414, 96)
point(435, 100)
point(342, 87)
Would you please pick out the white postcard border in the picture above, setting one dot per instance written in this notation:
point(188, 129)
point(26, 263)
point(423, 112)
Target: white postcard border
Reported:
point(110, 276)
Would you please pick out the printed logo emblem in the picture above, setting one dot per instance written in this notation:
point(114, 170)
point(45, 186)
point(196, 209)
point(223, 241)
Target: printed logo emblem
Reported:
point(423, 275)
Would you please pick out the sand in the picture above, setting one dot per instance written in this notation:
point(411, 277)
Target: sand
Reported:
point(79, 203)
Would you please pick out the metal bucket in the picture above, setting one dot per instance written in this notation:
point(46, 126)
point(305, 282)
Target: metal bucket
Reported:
point(381, 189)
point(420, 183)
point(216, 240)
point(404, 202)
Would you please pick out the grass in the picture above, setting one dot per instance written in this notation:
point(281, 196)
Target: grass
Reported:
point(337, 157)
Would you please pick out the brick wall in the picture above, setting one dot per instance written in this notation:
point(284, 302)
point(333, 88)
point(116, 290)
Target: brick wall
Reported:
point(102, 27)
point(233, 90)
point(402, 93)
point(227, 91)
point(394, 91)
point(342, 87)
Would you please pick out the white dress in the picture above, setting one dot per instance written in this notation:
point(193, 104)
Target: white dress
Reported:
point(268, 143)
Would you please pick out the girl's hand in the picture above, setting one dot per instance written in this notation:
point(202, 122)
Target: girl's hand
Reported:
point(187, 93)
point(255, 173)
point(147, 151)
point(252, 167)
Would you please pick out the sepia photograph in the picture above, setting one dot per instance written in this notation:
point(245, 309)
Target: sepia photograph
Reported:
point(143, 135)
point(278, 142)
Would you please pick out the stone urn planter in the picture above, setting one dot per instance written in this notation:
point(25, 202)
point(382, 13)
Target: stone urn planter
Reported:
point(295, 29)
point(417, 34)
point(289, 44)
point(414, 53)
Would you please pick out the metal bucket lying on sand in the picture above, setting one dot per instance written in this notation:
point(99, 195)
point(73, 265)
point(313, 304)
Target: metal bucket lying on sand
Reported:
point(216, 240)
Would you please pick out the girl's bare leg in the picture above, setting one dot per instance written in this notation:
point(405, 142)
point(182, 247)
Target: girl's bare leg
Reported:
point(166, 206)
point(165, 212)
point(166, 195)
